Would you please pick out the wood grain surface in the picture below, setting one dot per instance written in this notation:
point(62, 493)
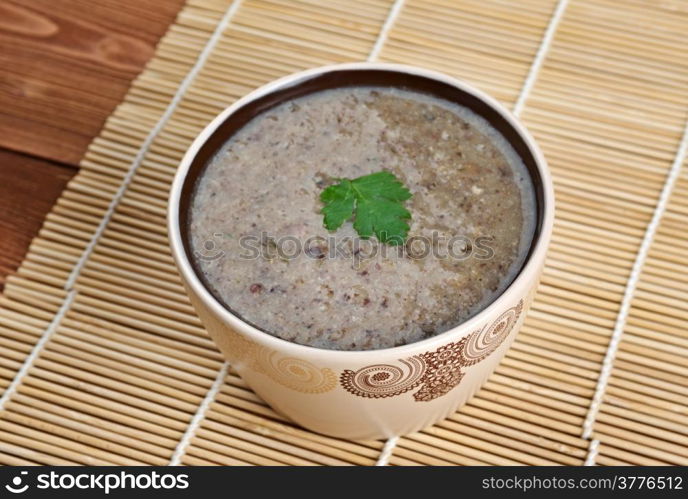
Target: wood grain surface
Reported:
point(65, 65)
point(33, 186)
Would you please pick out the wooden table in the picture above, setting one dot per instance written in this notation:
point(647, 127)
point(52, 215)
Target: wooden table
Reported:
point(65, 65)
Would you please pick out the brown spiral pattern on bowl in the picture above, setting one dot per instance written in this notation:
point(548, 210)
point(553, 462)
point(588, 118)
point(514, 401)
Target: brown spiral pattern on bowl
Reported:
point(385, 380)
point(436, 372)
point(297, 374)
point(481, 344)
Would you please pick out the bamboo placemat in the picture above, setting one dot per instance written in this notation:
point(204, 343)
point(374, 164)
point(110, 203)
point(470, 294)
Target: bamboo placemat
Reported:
point(103, 360)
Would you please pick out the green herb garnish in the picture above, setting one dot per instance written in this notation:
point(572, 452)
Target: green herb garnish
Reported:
point(376, 200)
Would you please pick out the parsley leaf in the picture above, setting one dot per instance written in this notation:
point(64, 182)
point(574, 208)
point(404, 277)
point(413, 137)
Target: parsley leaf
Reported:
point(377, 201)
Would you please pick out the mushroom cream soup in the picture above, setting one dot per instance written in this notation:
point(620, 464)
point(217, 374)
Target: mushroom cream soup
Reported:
point(258, 240)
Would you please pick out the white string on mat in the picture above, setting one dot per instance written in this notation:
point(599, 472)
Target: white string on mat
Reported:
point(36, 350)
point(540, 56)
point(593, 450)
point(386, 28)
point(69, 284)
point(631, 286)
point(196, 421)
point(387, 451)
point(547, 38)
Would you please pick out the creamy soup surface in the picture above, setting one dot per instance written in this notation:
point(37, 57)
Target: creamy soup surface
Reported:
point(258, 237)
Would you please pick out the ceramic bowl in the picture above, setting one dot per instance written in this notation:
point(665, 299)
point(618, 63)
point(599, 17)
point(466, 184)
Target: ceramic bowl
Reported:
point(375, 393)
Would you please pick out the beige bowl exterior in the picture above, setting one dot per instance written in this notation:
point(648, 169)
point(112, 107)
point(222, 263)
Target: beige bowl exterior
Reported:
point(378, 393)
